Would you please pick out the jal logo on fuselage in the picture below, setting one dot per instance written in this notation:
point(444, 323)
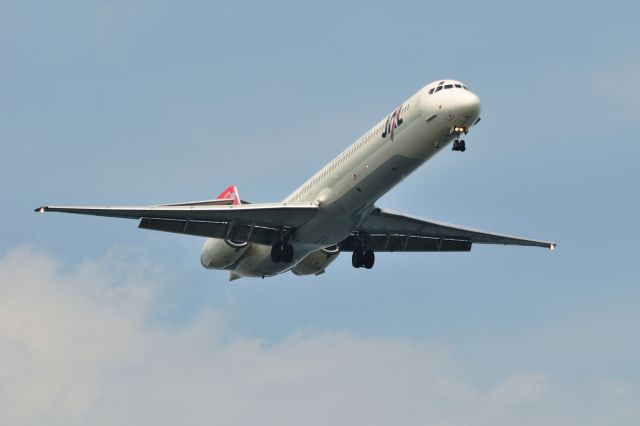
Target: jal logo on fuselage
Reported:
point(393, 121)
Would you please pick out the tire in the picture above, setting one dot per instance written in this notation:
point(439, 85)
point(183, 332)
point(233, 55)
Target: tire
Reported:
point(355, 259)
point(287, 254)
point(276, 253)
point(369, 259)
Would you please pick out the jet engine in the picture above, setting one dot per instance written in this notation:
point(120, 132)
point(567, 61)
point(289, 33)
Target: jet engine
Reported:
point(315, 263)
point(220, 254)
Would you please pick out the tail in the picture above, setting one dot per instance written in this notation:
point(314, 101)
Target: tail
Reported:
point(231, 193)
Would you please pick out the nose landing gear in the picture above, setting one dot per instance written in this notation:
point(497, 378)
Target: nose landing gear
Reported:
point(458, 144)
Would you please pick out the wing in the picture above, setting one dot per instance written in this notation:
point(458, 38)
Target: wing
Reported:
point(257, 223)
point(386, 230)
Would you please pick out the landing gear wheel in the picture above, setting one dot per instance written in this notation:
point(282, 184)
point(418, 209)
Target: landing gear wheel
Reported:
point(363, 258)
point(355, 259)
point(281, 252)
point(459, 145)
point(368, 259)
point(276, 253)
point(288, 253)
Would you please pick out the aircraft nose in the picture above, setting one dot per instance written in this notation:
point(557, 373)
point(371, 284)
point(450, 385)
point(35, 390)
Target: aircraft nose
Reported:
point(467, 104)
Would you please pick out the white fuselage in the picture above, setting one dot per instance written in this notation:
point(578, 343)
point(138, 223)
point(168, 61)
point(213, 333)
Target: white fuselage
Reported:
point(346, 189)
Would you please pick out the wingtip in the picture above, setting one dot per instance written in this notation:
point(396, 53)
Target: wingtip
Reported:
point(41, 209)
point(552, 246)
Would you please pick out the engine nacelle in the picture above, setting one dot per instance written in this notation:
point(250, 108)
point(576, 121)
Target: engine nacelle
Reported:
point(315, 263)
point(220, 254)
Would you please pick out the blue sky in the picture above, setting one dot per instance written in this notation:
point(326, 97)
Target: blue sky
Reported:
point(147, 102)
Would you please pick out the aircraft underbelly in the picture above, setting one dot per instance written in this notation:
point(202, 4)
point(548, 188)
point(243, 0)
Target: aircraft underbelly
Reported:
point(257, 262)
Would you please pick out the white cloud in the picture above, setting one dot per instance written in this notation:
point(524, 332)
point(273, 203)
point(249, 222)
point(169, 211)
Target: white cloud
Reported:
point(521, 387)
point(77, 347)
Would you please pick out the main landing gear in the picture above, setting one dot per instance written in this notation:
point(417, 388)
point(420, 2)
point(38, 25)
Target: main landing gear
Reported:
point(362, 258)
point(458, 144)
point(282, 252)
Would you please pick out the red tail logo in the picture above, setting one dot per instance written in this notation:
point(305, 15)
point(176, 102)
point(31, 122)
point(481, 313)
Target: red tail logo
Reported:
point(231, 193)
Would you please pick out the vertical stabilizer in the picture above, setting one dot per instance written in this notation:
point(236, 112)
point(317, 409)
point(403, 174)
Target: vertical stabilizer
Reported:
point(231, 193)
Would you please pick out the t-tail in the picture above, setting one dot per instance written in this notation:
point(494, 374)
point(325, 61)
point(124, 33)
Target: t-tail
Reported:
point(231, 193)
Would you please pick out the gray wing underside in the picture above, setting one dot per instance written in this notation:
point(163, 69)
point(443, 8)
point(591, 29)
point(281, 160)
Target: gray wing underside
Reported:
point(382, 230)
point(256, 223)
point(386, 230)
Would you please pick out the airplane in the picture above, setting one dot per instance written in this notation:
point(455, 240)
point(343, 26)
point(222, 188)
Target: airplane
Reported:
point(335, 210)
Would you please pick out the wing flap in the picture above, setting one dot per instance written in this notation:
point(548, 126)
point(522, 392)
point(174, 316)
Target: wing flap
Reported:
point(391, 243)
point(235, 232)
point(271, 215)
point(259, 223)
point(424, 231)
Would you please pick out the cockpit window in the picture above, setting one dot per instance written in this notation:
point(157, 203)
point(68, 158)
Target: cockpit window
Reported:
point(442, 86)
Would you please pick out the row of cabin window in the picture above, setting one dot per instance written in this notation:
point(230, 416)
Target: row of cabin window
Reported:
point(329, 170)
point(372, 134)
point(344, 157)
point(349, 153)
